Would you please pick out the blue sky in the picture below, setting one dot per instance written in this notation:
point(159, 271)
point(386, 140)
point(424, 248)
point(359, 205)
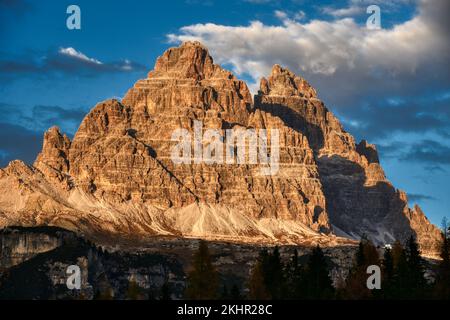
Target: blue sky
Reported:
point(390, 86)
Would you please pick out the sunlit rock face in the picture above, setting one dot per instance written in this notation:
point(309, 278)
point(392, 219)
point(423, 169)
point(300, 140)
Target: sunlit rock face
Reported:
point(117, 179)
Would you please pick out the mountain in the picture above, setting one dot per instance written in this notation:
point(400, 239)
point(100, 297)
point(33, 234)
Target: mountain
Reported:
point(117, 179)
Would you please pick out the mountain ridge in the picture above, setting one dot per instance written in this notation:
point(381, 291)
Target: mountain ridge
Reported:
point(116, 176)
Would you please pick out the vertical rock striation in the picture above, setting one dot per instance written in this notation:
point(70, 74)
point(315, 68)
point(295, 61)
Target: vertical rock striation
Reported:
point(359, 198)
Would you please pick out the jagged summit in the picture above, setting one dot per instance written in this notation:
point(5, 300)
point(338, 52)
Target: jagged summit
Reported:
point(189, 61)
point(283, 82)
point(116, 178)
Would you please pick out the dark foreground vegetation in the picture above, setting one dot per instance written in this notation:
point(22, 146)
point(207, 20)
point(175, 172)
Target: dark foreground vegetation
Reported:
point(404, 273)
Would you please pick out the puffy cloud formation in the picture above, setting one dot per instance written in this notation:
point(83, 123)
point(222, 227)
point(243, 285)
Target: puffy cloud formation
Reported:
point(339, 47)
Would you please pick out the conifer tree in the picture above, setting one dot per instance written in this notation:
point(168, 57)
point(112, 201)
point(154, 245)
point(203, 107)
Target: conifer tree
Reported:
point(442, 284)
point(257, 287)
point(134, 291)
point(416, 269)
point(316, 280)
point(360, 258)
point(400, 284)
point(409, 272)
point(397, 251)
point(293, 288)
point(273, 274)
point(203, 280)
point(104, 289)
point(387, 274)
point(165, 291)
point(356, 283)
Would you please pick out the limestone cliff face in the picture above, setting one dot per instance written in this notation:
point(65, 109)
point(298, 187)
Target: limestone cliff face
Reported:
point(117, 176)
point(16, 247)
point(359, 198)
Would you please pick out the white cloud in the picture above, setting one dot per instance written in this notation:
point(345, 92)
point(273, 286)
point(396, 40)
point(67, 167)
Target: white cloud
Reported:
point(358, 7)
point(285, 16)
point(299, 15)
point(71, 52)
point(280, 14)
point(344, 12)
point(341, 56)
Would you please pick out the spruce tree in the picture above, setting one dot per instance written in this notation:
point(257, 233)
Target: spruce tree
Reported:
point(397, 251)
point(292, 272)
point(104, 289)
point(360, 258)
point(316, 279)
point(134, 291)
point(273, 275)
point(165, 291)
point(356, 283)
point(401, 281)
point(257, 287)
point(388, 274)
point(203, 280)
point(416, 269)
point(442, 284)
point(409, 272)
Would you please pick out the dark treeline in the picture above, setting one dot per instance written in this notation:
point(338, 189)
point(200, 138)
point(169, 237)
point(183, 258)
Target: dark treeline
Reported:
point(402, 275)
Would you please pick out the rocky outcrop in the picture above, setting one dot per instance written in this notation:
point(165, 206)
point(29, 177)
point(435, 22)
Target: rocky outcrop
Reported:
point(53, 160)
point(17, 246)
point(34, 265)
point(117, 178)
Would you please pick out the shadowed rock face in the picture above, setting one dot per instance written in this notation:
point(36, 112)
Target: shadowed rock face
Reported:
point(117, 178)
point(359, 198)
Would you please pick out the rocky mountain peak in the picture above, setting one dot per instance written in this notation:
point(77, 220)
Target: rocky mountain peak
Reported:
point(191, 60)
point(185, 78)
point(54, 150)
point(283, 82)
point(53, 160)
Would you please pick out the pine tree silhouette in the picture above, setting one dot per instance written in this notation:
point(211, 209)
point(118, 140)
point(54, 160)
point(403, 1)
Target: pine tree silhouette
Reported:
point(442, 284)
point(203, 280)
point(409, 272)
point(293, 272)
point(257, 287)
point(416, 269)
point(356, 283)
point(316, 280)
point(387, 274)
point(273, 274)
point(165, 292)
point(134, 291)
